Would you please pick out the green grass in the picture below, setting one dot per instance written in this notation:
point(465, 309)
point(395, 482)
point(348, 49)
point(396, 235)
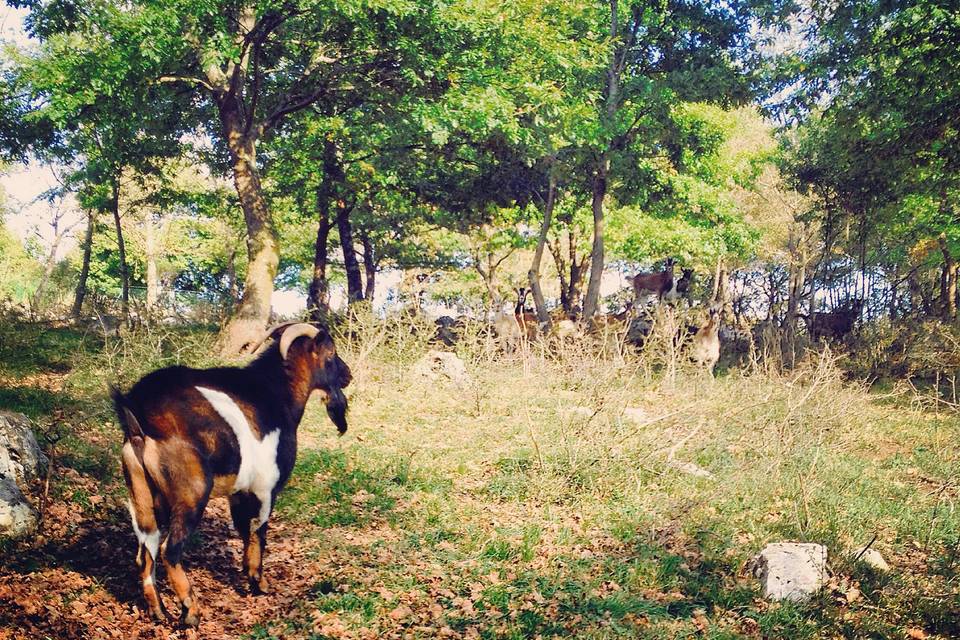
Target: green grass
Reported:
point(530, 504)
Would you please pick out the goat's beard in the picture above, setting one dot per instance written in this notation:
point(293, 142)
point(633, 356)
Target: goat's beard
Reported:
point(337, 409)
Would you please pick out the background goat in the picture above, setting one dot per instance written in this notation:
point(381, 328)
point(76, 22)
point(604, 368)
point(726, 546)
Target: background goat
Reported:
point(833, 324)
point(190, 434)
point(705, 347)
point(657, 284)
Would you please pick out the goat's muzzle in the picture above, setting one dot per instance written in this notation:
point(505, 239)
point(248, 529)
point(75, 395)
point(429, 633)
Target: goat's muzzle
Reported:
point(336, 403)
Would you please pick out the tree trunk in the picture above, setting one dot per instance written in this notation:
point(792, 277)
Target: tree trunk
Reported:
point(250, 317)
point(369, 268)
point(533, 275)
point(153, 279)
point(350, 263)
point(948, 283)
point(121, 252)
point(591, 300)
point(317, 298)
point(81, 291)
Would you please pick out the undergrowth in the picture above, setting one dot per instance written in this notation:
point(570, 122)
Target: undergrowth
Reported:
point(552, 494)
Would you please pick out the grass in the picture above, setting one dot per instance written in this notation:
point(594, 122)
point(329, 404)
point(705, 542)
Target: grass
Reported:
point(544, 499)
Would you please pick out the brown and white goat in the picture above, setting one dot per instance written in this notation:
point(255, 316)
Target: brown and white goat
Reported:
point(190, 434)
point(658, 284)
point(705, 347)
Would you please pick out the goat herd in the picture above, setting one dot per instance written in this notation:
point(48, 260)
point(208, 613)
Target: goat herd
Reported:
point(190, 434)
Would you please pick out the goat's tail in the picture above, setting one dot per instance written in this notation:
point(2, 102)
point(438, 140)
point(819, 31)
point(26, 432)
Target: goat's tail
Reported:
point(128, 420)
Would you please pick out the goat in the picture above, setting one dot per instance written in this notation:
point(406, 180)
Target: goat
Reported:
point(190, 434)
point(681, 288)
point(660, 283)
point(705, 347)
point(833, 324)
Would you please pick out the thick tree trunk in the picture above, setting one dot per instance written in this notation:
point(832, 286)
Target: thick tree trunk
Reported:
point(121, 252)
point(369, 268)
point(318, 299)
point(571, 272)
point(350, 263)
point(591, 300)
point(533, 275)
point(250, 317)
point(81, 291)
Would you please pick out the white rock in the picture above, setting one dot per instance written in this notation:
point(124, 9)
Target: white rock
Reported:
point(689, 468)
point(791, 571)
point(20, 460)
point(873, 559)
point(20, 455)
point(436, 364)
point(17, 517)
point(636, 414)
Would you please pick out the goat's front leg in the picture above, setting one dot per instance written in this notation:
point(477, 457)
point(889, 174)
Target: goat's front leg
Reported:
point(247, 510)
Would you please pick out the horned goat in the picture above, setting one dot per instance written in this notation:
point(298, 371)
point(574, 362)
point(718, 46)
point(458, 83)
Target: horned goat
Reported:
point(190, 434)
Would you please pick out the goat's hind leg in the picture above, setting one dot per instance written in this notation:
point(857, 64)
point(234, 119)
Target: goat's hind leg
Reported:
point(184, 518)
point(144, 519)
point(246, 510)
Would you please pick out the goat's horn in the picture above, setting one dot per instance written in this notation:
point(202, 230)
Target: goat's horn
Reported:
point(266, 336)
point(294, 332)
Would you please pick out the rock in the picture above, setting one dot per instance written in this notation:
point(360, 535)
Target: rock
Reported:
point(584, 412)
point(689, 468)
point(436, 364)
point(20, 455)
point(872, 558)
point(20, 460)
point(636, 414)
point(791, 571)
point(17, 517)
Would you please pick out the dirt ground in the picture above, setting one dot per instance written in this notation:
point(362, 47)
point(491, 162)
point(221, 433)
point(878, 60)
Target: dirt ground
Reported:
point(79, 580)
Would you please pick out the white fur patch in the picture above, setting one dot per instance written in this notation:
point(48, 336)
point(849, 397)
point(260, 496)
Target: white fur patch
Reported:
point(258, 472)
point(672, 294)
point(150, 540)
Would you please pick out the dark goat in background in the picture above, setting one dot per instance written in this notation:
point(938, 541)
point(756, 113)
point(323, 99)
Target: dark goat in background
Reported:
point(833, 324)
point(659, 283)
point(190, 434)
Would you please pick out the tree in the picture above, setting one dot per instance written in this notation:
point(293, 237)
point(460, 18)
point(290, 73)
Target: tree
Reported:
point(659, 55)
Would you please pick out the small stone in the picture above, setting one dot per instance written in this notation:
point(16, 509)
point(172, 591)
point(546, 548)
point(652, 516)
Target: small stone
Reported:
point(873, 559)
point(436, 364)
point(791, 571)
point(689, 468)
point(636, 414)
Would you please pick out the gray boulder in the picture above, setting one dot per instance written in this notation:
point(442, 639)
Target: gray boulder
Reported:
point(792, 571)
point(20, 455)
point(20, 461)
point(17, 517)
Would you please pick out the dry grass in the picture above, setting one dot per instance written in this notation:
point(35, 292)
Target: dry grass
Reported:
point(548, 497)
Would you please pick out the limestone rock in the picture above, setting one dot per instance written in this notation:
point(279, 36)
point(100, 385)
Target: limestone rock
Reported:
point(442, 364)
point(17, 517)
point(20, 455)
point(689, 468)
point(791, 571)
point(20, 460)
point(873, 559)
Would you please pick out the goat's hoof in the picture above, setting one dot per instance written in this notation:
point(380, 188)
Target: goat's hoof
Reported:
point(190, 619)
point(259, 587)
point(159, 615)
